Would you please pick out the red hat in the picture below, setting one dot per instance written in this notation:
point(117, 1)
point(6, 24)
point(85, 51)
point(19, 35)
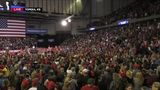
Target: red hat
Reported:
point(51, 85)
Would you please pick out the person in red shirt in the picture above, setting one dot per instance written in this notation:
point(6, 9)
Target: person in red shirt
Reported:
point(25, 83)
point(90, 85)
point(50, 84)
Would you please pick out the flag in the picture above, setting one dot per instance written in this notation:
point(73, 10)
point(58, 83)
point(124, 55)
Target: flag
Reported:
point(12, 28)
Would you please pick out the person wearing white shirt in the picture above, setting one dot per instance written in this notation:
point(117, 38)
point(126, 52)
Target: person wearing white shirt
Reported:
point(33, 88)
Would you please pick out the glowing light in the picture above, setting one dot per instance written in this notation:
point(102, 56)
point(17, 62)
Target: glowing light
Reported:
point(64, 23)
point(7, 5)
point(69, 20)
point(33, 47)
point(92, 28)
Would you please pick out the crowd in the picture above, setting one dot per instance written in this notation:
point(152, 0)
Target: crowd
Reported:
point(116, 58)
point(137, 9)
point(16, 43)
point(119, 58)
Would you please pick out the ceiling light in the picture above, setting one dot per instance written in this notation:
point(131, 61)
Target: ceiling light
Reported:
point(64, 23)
point(69, 20)
point(92, 28)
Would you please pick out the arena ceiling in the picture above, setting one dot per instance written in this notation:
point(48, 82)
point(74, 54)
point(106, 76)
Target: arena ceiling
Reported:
point(57, 6)
point(50, 8)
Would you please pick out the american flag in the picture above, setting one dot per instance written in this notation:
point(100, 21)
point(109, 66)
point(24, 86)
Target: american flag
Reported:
point(12, 28)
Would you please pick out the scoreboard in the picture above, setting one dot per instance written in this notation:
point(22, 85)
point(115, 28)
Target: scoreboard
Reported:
point(11, 6)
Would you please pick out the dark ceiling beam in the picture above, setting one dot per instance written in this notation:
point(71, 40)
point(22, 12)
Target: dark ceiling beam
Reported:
point(43, 16)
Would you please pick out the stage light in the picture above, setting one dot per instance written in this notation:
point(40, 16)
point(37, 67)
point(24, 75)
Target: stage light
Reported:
point(33, 47)
point(69, 20)
point(91, 29)
point(64, 23)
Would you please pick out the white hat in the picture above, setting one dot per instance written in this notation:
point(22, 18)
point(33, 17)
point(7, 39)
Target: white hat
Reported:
point(69, 71)
point(24, 68)
point(107, 67)
point(56, 62)
point(85, 70)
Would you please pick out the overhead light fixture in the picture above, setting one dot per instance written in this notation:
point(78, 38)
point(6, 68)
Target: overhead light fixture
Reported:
point(64, 23)
point(69, 20)
point(33, 47)
point(92, 28)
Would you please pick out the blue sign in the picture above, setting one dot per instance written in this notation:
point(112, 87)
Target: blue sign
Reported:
point(37, 31)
